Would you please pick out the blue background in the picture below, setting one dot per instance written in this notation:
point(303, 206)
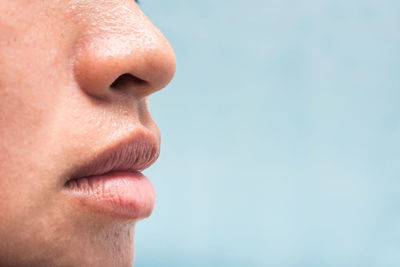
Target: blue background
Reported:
point(281, 135)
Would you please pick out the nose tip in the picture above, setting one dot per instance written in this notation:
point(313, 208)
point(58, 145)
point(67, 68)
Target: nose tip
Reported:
point(140, 61)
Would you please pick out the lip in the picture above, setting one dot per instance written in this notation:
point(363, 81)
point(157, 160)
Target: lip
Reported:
point(111, 182)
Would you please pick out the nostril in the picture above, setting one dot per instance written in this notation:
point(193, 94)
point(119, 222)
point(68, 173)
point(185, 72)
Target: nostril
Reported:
point(126, 80)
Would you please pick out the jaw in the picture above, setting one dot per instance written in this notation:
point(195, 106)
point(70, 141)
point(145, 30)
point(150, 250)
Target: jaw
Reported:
point(81, 241)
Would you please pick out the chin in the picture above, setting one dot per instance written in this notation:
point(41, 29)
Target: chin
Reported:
point(108, 246)
point(74, 245)
point(115, 248)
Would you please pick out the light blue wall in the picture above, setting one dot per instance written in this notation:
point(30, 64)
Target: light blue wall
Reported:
point(281, 135)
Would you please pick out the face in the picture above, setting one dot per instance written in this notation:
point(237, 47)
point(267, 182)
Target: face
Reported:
point(75, 131)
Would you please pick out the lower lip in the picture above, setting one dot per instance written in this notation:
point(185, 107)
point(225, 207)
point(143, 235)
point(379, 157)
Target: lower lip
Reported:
point(128, 195)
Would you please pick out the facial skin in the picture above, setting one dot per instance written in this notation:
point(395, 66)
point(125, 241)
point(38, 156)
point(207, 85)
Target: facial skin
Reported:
point(58, 60)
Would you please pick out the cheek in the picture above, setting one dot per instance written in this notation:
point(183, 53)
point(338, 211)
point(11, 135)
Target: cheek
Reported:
point(33, 79)
point(24, 125)
point(34, 76)
point(25, 118)
point(28, 112)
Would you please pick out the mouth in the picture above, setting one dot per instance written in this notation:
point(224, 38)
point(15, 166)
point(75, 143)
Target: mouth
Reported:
point(111, 182)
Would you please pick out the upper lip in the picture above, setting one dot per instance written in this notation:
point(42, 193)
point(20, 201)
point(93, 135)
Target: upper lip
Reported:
point(133, 154)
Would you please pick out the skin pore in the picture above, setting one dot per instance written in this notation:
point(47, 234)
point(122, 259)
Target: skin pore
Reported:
point(75, 78)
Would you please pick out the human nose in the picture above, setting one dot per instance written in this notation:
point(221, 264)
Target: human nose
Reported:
point(122, 53)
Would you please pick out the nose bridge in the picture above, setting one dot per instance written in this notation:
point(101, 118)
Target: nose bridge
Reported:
point(120, 44)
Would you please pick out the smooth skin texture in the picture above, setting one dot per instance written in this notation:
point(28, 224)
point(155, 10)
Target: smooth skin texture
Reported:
point(61, 100)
